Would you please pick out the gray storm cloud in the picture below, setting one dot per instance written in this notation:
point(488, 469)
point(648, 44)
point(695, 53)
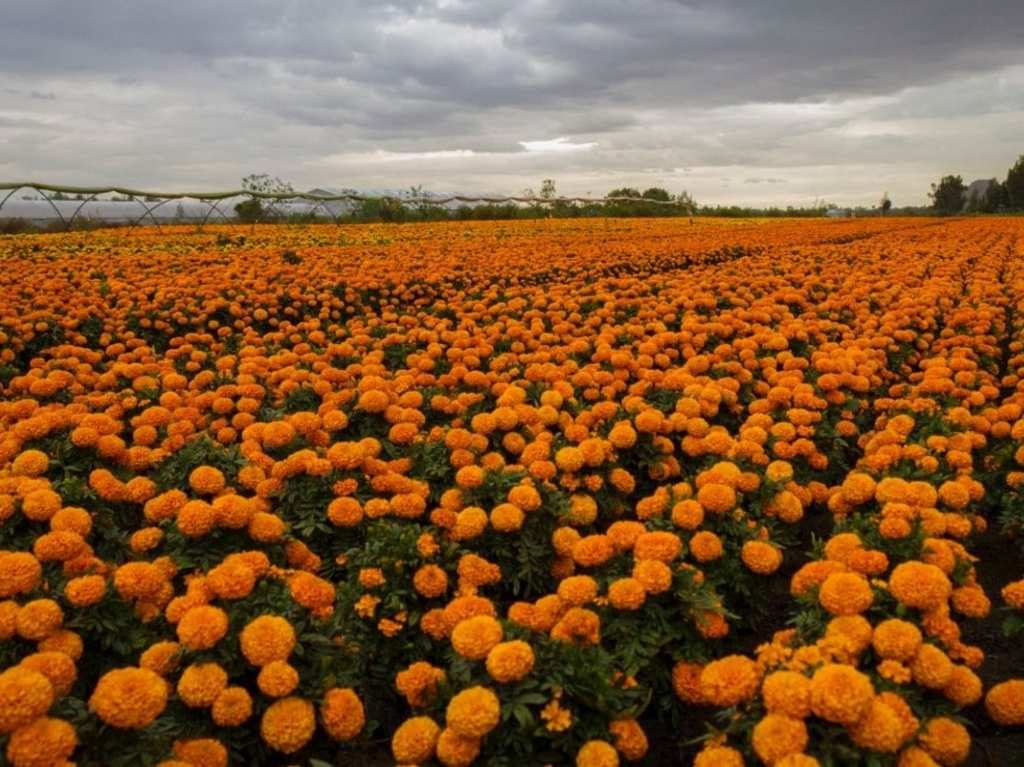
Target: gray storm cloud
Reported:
point(761, 102)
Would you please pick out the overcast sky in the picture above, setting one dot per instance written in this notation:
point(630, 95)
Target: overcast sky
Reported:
point(745, 101)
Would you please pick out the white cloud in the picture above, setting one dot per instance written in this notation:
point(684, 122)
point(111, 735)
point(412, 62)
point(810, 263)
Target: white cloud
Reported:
point(560, 144)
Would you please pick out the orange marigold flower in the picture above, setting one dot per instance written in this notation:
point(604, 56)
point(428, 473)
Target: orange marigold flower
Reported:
point(729, 680)
point(705, 546)
point(597, 753)
point(474, 637)
point(430, 581)
point(232, 707)
point(661, 545)
point(277, 679)
point(718, 756)
point(454, 750)
point(510, 661)
point(206, 480)
point(202, 627)
point(42, 743)
point(593, 550)
point(342, 713)
point(717, 498)
point(879, 729)
point(760, 557)
point(777, 736)
point(845, 594)
point(414, 740)
point(38, 619)
point(473, 712)
point(788, 693)
point(85, 590)
point(629, 738)
point(288, 724)
point(129, 698)
point(626, 594)
point(840, 693)
point(57, 667)
point(946, 741)
point(201, 683)
point(919, 585)
point(686, 682)
point(25, 694)
point(896, 639)
point(964, 687)
point(202, 752)
point(931, 667)
point(267, 638)
point(1005, 703)
point(418, 683)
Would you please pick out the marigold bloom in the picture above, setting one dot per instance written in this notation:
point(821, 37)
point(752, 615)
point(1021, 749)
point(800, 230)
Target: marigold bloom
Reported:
point(896, 639)
point(510, 661)
point(626, 594)
point(787, 693)
point(454, 750)
point(232, 707)
point(201, 683)
point(474, 637)
point(57, 667)
point(718, 756)
point(277, 679)
point(629, 738)
point(42, 743)
point(776, 736)
point(201, 752)
point(1005, 703)
point(414, 740)
point(24, 695)
point(931, 667)
point(840, 693)
point(760, 557)
point(129, 698)
point(597, 753)
point(267, 638)
point(473, 712)
point(946, 741)
point(663, 546)
point(342, 713)
point(202, 627)
point(729, 680)
point(288, 724)
point(919, 585)
point(879, 729)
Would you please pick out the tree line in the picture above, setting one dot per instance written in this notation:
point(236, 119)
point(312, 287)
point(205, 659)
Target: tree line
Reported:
point(949, 196)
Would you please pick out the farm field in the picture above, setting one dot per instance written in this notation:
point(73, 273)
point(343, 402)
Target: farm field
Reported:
point(589, 492)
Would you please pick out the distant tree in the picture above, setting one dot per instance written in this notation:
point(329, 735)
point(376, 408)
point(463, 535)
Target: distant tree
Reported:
point(886, 204)
point(995, 199)
point(547, 189)
point(423, 209)
point(252, 209)
point(624, 191)
point(685, 200)
point(1014, 185)
point(657, 194)
point(948, 195)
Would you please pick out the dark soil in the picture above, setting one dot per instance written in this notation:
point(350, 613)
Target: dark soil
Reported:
point(1000, 562)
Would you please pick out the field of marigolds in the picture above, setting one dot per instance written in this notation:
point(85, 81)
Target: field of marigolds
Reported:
point(581, 493)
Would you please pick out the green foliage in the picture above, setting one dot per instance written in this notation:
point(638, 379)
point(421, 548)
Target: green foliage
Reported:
point(948, 195)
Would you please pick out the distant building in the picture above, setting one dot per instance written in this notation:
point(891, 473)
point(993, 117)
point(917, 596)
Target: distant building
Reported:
point(976, 192)
point(838, 213)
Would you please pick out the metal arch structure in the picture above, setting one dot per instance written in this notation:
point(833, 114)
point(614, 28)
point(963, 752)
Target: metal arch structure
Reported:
point(16, 186)
point(274, 199)
point(148, 211)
